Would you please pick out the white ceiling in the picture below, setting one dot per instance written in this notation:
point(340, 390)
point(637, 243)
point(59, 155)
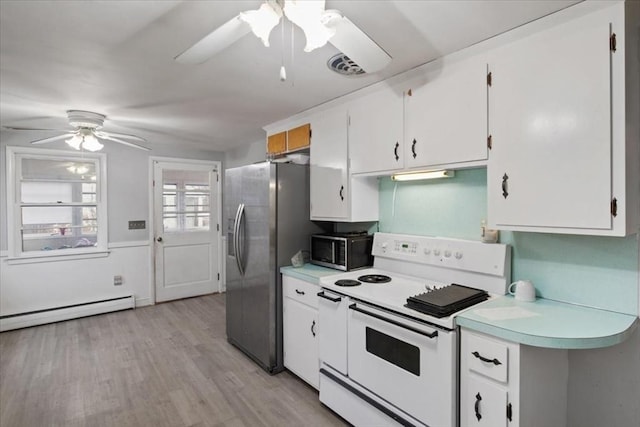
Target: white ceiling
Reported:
point(116, 58)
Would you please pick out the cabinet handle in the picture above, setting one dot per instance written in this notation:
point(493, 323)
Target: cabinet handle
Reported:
point(509, 412)
point(313, 328)
point(299, 292)
point(327, 297)
point(477, 406)
point(395, 151)
point(484, 359)
point(505, 187)
point(413, 148)
point(341, 192)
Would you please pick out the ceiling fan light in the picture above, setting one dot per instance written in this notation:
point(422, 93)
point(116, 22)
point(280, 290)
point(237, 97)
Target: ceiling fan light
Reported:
point(91, 143)
point(74, 141)
point(308, 15)
point(317, 36)
point(263, 20)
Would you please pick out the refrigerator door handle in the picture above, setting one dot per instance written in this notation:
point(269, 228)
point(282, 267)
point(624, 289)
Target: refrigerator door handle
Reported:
point(240, 238)
point(236, 231)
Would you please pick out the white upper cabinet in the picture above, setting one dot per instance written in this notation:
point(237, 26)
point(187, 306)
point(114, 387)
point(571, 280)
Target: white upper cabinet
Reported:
point(328, 157)
point(557, 118)
point(375, 132)
point(334, 194)
point(446, 115)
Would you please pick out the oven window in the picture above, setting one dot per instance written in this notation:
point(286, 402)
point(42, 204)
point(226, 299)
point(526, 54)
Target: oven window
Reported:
point(400, 353)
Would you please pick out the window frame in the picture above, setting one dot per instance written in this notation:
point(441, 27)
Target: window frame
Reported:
point(14, 156)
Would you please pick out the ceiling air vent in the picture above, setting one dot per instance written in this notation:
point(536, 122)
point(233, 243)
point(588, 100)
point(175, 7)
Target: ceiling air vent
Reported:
point(341, 64)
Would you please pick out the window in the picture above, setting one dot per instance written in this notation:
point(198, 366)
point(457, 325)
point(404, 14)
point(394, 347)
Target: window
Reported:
point(185, 200)
point(59, 202)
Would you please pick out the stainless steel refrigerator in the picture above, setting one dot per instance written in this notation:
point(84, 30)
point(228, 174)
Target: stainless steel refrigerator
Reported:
point(266, 210)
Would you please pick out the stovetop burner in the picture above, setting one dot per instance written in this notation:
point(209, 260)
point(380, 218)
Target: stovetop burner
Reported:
point(374, 278)
point(347, 282)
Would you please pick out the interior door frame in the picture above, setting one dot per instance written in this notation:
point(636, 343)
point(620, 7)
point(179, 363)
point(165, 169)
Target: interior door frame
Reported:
point(218, 240)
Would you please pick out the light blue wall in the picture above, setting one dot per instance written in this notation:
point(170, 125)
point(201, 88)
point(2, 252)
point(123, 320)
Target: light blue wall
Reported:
point(591, 270)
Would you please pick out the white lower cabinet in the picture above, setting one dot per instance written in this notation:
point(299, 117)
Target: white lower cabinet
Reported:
point(300, 329)
point(506, 384)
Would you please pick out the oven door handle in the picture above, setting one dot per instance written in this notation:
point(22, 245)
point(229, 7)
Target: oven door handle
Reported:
point(393, 322)
point(321, 294)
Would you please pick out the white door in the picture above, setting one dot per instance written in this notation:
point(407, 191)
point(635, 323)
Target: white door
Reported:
point(186, 224)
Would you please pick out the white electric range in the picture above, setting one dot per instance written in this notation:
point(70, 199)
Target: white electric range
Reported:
point(383, 363)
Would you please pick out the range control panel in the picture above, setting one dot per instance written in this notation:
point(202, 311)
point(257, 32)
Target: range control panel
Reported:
point(488, 258)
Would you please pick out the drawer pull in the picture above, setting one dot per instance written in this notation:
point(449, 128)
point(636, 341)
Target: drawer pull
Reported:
point(299, 292)
point(484, 359)
point(477, 406)
point(322, 295)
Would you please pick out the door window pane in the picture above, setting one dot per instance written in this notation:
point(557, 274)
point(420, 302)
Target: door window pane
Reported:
point(185, 200)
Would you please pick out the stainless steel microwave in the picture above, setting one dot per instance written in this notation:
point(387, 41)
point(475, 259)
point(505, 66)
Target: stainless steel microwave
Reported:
point(347, 251)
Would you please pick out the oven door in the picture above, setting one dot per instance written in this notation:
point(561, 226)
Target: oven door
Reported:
point(408, 363)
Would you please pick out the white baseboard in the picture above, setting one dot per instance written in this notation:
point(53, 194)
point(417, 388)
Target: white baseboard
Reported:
point(58, 314)
point(141, 302)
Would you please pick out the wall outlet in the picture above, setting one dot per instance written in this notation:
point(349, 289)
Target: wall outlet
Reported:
point(137, 225)
point(117, 280)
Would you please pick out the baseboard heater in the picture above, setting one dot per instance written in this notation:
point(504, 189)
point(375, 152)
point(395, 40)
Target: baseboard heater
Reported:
point(57, 314)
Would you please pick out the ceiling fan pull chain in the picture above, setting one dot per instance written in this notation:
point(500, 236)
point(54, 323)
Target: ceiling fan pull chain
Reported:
point(283, 71)
point(292, 52)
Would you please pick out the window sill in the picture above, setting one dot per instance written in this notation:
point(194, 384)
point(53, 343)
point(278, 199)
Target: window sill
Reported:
point(37, 258)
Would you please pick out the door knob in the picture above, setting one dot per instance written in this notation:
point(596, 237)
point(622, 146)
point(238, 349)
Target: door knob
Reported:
point(159, 239)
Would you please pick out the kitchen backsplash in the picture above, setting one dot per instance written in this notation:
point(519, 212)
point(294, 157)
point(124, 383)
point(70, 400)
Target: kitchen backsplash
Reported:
point(590, 270)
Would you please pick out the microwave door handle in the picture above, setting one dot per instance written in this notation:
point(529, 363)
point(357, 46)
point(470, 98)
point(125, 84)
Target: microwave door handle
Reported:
point(433, 334)
point(333, 252)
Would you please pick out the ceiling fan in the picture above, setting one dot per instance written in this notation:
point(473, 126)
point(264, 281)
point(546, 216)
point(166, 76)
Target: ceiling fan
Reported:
point(86, 133)
point(319, 25)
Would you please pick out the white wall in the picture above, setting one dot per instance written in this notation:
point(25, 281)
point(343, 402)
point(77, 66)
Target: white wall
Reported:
point(246, 154)
point(36, 286)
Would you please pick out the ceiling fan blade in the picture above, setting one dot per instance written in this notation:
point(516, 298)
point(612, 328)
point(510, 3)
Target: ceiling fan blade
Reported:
point(103, 134)
point(358, 46)
point(52, 138)
point(23, 128)
point(221, 38)
point(128, 144)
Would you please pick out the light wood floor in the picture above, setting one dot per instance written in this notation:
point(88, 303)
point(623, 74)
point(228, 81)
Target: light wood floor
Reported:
point(163, 365)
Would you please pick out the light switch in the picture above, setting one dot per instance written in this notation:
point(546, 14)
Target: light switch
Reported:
point(137, 225)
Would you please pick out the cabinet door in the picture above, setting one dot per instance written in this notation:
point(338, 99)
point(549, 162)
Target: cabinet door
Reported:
point(375, 132)
point(446, 116)
point(486, 404)
point(300, 328)
point(299, 137)
point(277, 143)
point(328, 172)
point(550, 121)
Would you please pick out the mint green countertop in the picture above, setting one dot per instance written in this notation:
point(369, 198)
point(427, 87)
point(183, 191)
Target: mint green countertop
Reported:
point(309, 272)
point(548, 323)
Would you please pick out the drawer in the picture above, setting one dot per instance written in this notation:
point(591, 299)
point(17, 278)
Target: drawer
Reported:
point(487, 357)
point(299, 290)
